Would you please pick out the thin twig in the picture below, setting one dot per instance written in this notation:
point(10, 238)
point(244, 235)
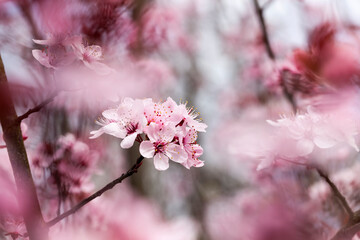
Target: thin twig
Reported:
point(35, 109)
point(109, 186)
point(265, 35)
point(337, 194)
point(269, 50)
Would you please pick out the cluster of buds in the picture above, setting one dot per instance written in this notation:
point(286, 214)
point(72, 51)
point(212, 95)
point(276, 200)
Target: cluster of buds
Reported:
point(165, 130)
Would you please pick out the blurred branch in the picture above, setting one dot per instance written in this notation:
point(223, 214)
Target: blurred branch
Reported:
point(265, 35)
point(349, 230)
point(353, 226)
point(109, 186)
point(337, 193)
point(269, 50)
point(35, 109)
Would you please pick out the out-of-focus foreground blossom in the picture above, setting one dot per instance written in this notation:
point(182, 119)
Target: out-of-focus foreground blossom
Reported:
point(264, 215)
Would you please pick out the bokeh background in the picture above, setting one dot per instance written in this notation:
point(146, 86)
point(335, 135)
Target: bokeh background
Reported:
point(210, 54)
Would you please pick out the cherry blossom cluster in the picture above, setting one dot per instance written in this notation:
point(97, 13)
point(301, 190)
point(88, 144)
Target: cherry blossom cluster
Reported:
point(165, 130)
point(67, 167)
point(306, 135)
point(264, 214)
point(63, 51)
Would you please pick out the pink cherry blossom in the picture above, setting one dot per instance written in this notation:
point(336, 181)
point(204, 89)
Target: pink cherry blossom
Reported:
point(127, 121)
point(57, 52)
point(62, 51)
point(67, 167)
point(91, 56)
point(263, 215)
point(188, 116)
point(303, 133)
point(193, 149)
point(160, 146)
point(165, 130)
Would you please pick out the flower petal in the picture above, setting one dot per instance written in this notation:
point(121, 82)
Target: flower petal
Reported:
point(42, 58)
point(152, 132)
point(129, 140)
point(115, 130)
point(304, 147)
point(266, 162)
point(161, 162)
point(147, 149)
point(98, 67)
point(96, 133)
point(176, 153)
point(324, 141)
point(111, 114)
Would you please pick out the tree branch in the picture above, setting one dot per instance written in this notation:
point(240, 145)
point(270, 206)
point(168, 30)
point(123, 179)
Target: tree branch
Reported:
point(347, 232)
point(109, 186)
point(27, 197)
point(337, 194)
point(35, 109)
point(269, 50)
point(265, 35)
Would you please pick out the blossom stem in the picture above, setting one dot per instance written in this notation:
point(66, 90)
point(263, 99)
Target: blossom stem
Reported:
point(109, 186)
point(337, 194)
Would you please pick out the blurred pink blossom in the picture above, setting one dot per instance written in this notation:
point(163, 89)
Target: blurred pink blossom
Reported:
point(63, 51)
point(63, 172)
point(262, 215)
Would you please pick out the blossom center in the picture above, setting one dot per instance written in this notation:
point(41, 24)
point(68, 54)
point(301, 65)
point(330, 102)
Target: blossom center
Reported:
point(159, 147)
point(131, 128)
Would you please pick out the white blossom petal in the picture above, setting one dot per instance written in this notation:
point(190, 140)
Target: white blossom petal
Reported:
point(304, 147)
point(176, 153)
point(147, 149)
point(324, 141)
point(96, 133)
point(115, 130)
point(129, 140)
point(111, 114)
point(161, 161)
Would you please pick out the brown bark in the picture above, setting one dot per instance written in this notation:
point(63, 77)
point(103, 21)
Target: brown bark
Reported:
point(27, 196)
